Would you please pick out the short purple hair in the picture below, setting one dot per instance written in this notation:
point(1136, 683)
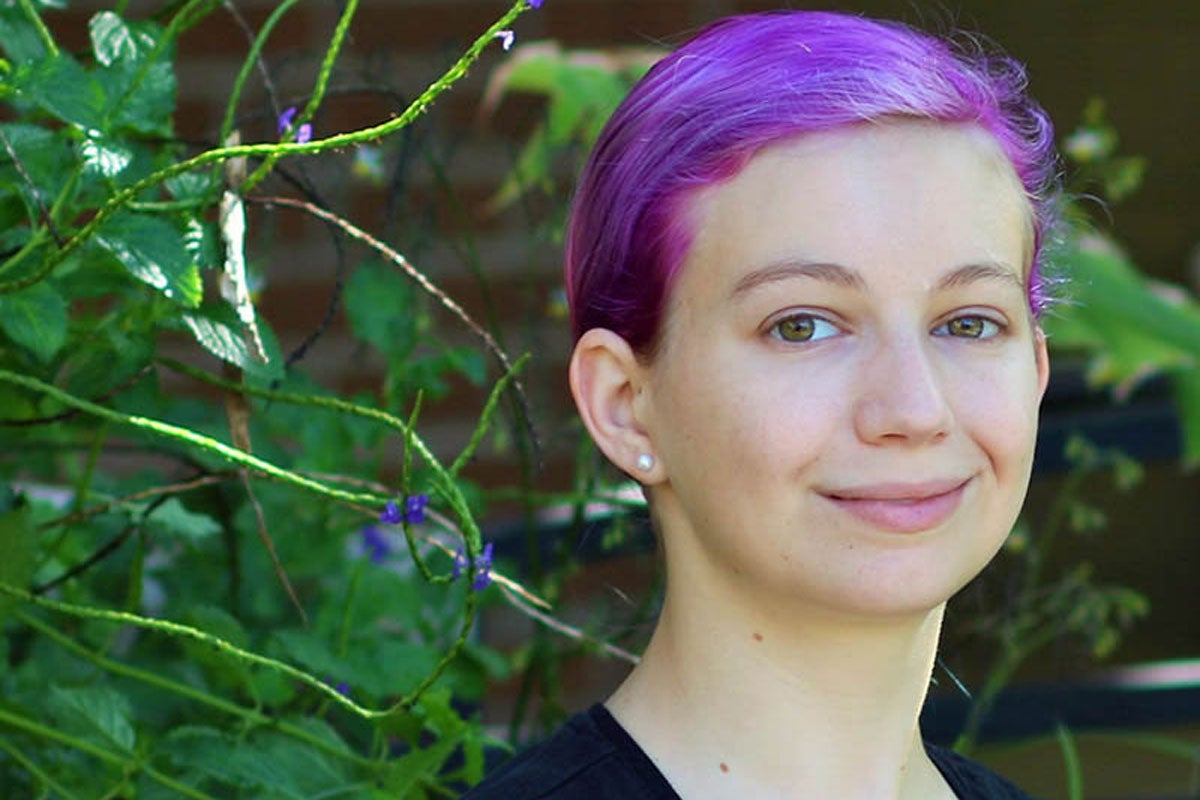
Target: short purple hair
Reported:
point(745, 82)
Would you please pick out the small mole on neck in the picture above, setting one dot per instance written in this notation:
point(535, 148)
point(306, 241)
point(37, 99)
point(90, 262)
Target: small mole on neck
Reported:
point(757, 636)
point(724, 767)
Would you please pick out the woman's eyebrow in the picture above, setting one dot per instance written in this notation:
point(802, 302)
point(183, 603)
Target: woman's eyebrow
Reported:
point(849, 278)
point(786, 270)
point(983, 271)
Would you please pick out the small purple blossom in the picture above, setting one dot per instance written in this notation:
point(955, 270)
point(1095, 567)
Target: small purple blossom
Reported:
point(343, 689)
point(285, 120)
point(413, 513)
point(375, 545)
point(391, 514)
point(483, 569)
point(506, 38)
point(414, 508)
point(481, 576)
point(536, 3)
point(302, 135)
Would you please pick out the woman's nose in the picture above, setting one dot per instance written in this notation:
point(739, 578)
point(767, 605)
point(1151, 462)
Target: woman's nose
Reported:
point(901, 398)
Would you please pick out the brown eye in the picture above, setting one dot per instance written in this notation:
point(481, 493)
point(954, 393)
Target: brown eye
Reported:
point(802, 328)
point(970, 326)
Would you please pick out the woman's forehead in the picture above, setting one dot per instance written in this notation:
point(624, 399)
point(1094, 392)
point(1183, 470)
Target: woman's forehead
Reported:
point(940, 191)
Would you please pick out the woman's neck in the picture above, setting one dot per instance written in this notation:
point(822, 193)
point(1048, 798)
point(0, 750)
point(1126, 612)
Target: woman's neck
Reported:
point(796, 703)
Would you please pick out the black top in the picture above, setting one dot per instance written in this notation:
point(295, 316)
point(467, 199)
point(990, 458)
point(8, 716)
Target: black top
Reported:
point(592, 758)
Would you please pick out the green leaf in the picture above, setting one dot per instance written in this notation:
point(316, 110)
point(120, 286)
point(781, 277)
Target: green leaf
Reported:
point(106, 359)
point(67, 91)
point(405, 774)
point(18, 37)
point(175, 521)
point(153, 250)
point(35, 318)
point(103, 158)
point(98, 712)
point(219, 331)
point(141, 92)
point(1070, 755)
point(18, 551)
point(266, 761)
point(111, 38)
point(1132, 327)
point(1186, 386)
point(380, 304)
point(42, 154)
point(189, 185)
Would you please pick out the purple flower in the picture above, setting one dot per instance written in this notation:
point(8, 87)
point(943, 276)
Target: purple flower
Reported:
point(414, 508)
point(482, 574)
point(391, 514)
point(413, 513)
point(536, 3)
point(376, 546)
point(506, 39)
point(343, 689)
point(284, 123)
point(285, 120)
point(483, 569)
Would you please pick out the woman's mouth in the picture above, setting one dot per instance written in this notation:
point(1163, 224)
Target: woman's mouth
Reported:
point(901, 507)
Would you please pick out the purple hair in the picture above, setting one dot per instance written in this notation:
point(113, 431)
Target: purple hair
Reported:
point(746, 82)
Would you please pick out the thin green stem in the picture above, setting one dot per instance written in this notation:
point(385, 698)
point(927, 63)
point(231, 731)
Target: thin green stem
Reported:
point(256, 48)
point(217, 643)
point(40, 235)
point(33, 769)
point(446, 482)
point(42, 731)
point(485, 417)
point(173, 29)
point(189, 437)
point(278, 149)
point(43, 32)
point(468, 619)
point(251, 716)
point(318, 93)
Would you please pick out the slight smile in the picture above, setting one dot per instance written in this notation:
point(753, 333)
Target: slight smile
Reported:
point(901, 507)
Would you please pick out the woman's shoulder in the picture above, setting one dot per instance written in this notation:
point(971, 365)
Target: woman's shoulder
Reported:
point(971, 780)
point(590, 757)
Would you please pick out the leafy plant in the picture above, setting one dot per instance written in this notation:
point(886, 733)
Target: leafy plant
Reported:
point(219, 578)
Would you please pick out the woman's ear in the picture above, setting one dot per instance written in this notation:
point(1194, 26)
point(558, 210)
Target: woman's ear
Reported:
point(606, 377)
point(1042, 355)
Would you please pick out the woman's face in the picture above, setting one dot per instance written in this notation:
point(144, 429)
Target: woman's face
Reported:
point(844, 404)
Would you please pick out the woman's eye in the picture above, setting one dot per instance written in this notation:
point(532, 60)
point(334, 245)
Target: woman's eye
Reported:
point(969, 326)
point(803, 328)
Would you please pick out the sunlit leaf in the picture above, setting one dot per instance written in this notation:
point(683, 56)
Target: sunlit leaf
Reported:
point(111, 38)
point(104, 158)
point(152, 249)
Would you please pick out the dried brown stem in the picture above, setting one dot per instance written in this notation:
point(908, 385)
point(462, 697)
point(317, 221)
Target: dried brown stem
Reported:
point(358, 234)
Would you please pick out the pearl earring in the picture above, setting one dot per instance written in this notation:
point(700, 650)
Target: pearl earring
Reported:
point(645, 462)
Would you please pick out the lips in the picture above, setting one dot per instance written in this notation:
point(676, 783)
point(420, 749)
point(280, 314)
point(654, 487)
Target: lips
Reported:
point(901, 507)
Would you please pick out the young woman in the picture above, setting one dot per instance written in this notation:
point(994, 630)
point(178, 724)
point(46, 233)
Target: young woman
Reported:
point(803, 266)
